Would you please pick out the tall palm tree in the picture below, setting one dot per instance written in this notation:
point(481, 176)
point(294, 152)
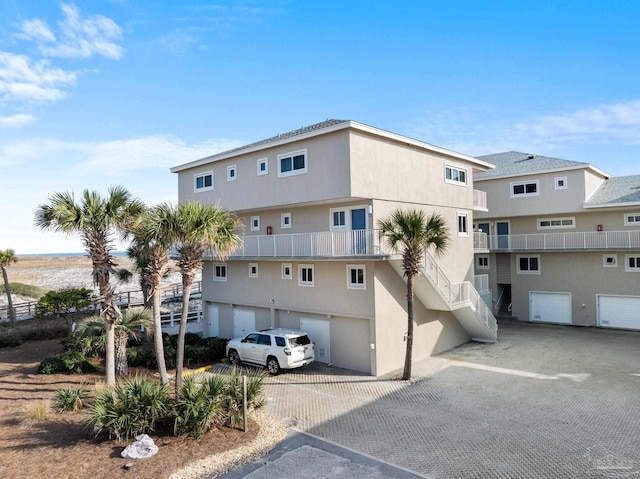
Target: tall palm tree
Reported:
point(7, 257)
point(96, 220)
point(411, 233)
point(200, 228)
point(154, 233)
point(127, 327)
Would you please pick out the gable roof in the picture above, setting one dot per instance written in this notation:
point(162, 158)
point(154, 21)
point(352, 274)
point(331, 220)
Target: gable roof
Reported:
point(616, 191)
point(515, 163)
point(322, 128)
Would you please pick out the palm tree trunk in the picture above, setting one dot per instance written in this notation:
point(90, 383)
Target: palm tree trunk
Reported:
point(157, 335)
point(187, 283)
point(12, 312)
point(109, 312)
point(122, 368)
point(406, 375)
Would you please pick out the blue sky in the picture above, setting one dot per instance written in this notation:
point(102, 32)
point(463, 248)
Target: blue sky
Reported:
point(97, 93)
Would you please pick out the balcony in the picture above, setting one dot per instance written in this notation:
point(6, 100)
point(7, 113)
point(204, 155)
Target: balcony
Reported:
point(589, 240)
point(480, 242)
point(326, 244)
point(479, 200)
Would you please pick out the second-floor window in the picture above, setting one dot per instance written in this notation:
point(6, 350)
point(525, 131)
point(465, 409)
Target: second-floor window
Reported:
point(305, 275)
point(285, 220)
point(453, 174)
point(203, 181)
point(231, 173)
point(632, 219)
point(529, 264)
point(525, 188)
point(263, 166)
point(338, 219)
point(482, 262)
point(255, 223)
point(463, 224)
point(633, 263)
point(556, 223)
point(219, 272)
point(294, 163)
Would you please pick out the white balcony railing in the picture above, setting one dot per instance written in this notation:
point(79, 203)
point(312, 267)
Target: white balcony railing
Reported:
point(326, 244)
point(589, 240)
point(481, 283)
point(480, 242)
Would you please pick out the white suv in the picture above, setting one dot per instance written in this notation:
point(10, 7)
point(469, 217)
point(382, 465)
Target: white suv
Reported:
point(274, 348)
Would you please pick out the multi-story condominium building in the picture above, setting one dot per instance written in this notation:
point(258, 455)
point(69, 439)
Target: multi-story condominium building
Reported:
point(564, 241)
point(312, 259)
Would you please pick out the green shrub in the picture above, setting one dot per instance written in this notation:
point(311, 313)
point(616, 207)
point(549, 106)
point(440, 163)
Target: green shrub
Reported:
point(40, 330)
point(129, 408)
point(141, 357)
point(218, 347)
point(199, 407)
point(69, 399)
point(70, 362)
point(9, 341)
point(90, 343)
point(194, 354)
point(191, 339)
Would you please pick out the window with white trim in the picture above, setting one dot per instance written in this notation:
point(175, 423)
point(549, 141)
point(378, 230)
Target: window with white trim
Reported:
point(525, 188)
point(560, 183)
point(632, 263)
point(203, 182)
point(285, 220)
point(305, 275)
point(255, 223)
point(263, 166)
point(356, 276)
point(632, 219)
point(455, 175)
point(556, 223)
point(463, 224)
point(219, 272)
point(231, 173)
point(294, 163)
point(610, 260)
point(286, 271)
point(338, 218)
point(482, 262)
point(253, 270)
point(528, 264)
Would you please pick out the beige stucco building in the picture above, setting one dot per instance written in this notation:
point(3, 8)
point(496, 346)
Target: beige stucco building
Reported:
point(564, 241)
point(312, 258)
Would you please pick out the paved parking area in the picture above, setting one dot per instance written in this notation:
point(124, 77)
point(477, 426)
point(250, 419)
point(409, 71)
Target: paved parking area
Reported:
point(544, 402)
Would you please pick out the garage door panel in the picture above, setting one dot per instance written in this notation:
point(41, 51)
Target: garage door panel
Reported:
point(619, 312)
point(550, 307)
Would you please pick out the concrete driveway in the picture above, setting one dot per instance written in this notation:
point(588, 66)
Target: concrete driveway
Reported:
point(544, 402)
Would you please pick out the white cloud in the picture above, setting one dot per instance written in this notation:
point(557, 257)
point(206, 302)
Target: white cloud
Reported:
point(16, 120)
point(22, 80)
point(37, 30)
point(79, 37)
point(475, 133)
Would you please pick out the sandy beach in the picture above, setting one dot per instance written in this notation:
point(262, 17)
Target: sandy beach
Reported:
point(57, 272)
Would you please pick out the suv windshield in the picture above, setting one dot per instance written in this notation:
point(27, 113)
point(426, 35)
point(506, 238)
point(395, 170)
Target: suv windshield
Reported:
point(299, 341)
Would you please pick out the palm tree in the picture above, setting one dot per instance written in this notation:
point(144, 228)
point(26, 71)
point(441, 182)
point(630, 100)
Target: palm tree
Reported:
point(200, 228)
point(411, 233)
point(154, 233)
point(7, 257)
point(96, 220)
point(127, 327)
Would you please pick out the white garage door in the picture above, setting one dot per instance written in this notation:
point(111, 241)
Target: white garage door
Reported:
point(550, 307)
point(319, 332)
point(244, 322)
point(619, 311)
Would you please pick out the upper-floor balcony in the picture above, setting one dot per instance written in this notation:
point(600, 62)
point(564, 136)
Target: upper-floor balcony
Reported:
point(364, 244)
point(588, 240)
point(480, 200)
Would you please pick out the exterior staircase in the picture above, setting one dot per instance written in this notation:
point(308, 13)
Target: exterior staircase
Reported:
point(436, 291)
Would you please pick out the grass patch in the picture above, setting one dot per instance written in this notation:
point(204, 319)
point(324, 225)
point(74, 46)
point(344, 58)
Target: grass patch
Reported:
point(35, 413)
point(22, 289)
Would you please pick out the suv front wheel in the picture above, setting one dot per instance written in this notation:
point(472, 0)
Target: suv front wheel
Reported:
point(234, 357)
point(273, 365)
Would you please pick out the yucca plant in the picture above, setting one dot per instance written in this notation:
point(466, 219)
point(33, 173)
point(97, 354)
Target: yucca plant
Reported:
point(198, 407)
point(129, 408)
point(232, 395)
point(69, 399)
